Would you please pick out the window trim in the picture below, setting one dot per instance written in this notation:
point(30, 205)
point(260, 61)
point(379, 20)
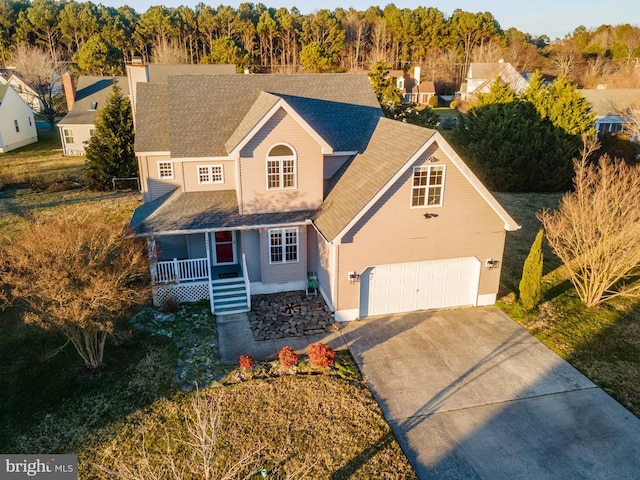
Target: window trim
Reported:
point(428, 169)
point(210, 174)
point(67, 133)
point(282, 247)
point(280, 159)
point(165, 163)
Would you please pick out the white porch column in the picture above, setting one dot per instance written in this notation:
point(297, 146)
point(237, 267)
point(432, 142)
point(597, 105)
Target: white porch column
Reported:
point(208, 248)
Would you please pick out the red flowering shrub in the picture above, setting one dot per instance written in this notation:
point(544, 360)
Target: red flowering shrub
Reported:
point(321, 355)
point(245, 362)
point(288, 357)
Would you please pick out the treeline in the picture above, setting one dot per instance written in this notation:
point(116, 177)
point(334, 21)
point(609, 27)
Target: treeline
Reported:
point(96, 39)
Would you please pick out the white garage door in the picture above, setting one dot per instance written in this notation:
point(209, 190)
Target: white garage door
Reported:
point(404, 287)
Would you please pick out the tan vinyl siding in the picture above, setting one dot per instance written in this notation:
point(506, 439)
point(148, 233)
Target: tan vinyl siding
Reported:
point(393, 232)
point(191, 183)
point(284, 272)
point(255, 197)
point(172, 246)
point(312, 249)
point(251, 249)
point(153, 185)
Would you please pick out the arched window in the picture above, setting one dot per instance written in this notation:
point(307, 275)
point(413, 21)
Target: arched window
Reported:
point(281, 168)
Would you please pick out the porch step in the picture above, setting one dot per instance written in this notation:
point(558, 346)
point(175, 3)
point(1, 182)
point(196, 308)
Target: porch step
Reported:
point(229, 296)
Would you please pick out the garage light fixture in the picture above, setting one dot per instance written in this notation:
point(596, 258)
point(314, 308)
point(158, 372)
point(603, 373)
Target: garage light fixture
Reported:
point(430, 215)
point(354, 277)
point(491, 263)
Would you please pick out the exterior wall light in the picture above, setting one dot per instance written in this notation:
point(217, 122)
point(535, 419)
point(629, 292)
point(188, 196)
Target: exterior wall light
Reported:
point(491, 263)
point(354, 277)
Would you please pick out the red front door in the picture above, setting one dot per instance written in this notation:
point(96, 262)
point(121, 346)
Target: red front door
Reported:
point(224, 246)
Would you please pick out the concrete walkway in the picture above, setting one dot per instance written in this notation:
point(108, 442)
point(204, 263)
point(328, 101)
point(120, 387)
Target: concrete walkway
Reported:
point(235, 338)
point(472, 395)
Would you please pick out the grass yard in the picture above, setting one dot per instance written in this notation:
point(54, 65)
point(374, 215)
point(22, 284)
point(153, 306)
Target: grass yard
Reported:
point(602, 342)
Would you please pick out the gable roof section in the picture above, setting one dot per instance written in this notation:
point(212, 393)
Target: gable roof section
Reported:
point(92, 89)
point(342, 108)
point(392, 144)
point(153, 134)
point(393, 148)
point(3, 92)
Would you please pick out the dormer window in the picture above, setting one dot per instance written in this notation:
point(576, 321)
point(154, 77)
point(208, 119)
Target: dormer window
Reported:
point(400, 83)
point(281, 168)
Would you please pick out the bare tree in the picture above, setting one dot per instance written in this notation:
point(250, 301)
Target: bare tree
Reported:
point(596, 229)
point(168, 52)
point(41, 72)
point(77, 272)
point(564, 63)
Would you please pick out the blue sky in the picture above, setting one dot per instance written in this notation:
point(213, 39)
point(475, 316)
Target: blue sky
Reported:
point(554, 18)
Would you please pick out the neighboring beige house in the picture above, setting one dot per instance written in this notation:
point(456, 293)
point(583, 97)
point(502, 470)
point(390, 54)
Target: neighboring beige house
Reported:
point(84, 102)
point(17, 124)
point(481, 76)
point(412, 88)
point(300, 177)
point(612, 107)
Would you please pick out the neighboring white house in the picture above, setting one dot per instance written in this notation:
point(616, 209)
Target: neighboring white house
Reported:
point(611, 106)
point(17, 125)
point(480, 76)
point(10, 76)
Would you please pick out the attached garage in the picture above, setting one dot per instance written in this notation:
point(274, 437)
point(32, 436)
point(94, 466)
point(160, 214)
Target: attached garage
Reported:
point(405, 287)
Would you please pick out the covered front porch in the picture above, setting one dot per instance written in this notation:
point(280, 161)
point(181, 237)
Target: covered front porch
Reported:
point(217, 273)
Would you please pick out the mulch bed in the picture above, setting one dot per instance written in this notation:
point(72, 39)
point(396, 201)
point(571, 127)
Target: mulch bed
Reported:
point(289, 314)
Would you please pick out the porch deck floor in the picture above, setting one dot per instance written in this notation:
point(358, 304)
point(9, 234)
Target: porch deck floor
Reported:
point(289, 314)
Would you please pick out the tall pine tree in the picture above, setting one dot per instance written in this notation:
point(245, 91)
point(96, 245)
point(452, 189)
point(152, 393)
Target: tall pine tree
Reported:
point(110, 151)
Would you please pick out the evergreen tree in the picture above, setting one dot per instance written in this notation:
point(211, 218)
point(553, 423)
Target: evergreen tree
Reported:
point(499, 92)
point(110, 151)
point(531, 282)
point(383, 85)
point(98, 57)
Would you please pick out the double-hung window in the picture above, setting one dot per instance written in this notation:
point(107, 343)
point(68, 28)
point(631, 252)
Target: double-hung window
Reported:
point(210, 174)
point(281, 168)
point(428, 186)
point(165, 169)
point(68, 135)
point(283, 245)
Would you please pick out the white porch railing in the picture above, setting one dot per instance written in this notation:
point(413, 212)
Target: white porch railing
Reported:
point(175, 270)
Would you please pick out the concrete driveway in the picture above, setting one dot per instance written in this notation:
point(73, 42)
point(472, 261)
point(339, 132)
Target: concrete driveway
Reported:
point(471, 395)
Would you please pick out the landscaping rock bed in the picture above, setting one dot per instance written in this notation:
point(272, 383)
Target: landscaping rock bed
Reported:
point(193, 330)
point(289, 314)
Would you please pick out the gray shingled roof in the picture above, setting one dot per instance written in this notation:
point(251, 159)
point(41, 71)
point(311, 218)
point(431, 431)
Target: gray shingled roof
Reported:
point(393, 143)
point(260, 107)
point(152, 135)
point(613, 102)
point(206, 111)
point(178, 212)
point(158, 72)
point(90, 90)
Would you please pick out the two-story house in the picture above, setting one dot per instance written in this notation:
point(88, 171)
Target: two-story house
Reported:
point(17, 122)
point(480, 77)
point(257, 183)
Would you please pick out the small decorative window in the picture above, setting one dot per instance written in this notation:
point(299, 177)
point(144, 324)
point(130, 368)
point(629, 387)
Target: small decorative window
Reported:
point(428, 186)
point(283, 245)
point(92, 131)
point(165, 169)
point(68, 135)
point(30, 124)
point(15, 124)
point(210, 174)
point(281, 168)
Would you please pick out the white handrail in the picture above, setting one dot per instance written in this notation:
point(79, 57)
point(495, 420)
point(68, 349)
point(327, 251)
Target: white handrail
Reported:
point(246, 280)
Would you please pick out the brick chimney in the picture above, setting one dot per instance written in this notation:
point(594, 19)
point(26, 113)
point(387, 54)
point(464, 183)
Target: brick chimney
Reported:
point(69, 89)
